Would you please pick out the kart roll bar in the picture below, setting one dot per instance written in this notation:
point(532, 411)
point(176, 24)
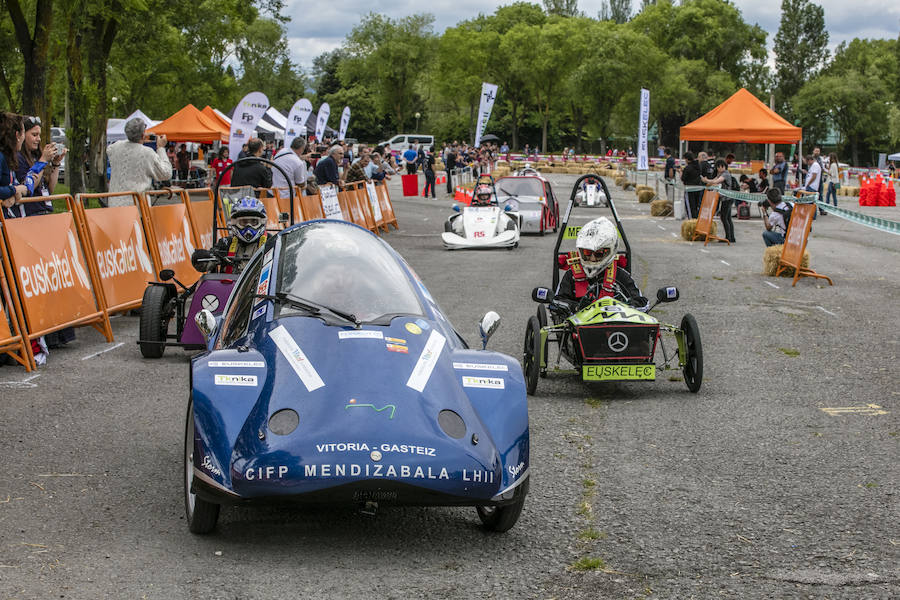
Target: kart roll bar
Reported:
point(565, 223)
point(246, 159)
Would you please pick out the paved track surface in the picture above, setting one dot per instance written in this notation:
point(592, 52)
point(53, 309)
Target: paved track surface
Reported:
point(746, 490)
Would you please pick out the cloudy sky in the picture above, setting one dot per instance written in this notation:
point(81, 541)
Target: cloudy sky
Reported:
point(319, 27)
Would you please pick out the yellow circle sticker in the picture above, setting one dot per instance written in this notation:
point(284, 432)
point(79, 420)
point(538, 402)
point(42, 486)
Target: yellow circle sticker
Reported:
point(413, 328)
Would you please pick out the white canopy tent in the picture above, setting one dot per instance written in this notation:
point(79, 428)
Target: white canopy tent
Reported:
point(895, 156)
point(115, 128)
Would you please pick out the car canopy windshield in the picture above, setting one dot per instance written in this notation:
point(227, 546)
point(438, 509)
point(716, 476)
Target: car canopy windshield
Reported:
point(520, 186)
point(343, 267)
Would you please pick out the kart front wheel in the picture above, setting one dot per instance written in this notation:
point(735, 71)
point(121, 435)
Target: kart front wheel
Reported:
point(201, 515)
point(532, 354)
point(502, 518)
point(693, 362)
point(155, 317)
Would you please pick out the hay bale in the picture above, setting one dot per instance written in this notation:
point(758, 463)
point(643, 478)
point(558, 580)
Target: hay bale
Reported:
point(643, 187)
point(620, 181)
point(688, 226)
point(645, 196)
point(770, 261)
point(661, 208)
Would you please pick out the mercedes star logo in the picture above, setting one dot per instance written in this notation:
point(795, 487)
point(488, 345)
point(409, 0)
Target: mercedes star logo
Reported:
point(617, 342)
point(210, 302)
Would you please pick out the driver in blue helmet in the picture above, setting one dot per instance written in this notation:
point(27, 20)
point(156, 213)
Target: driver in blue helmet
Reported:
point(247, 224)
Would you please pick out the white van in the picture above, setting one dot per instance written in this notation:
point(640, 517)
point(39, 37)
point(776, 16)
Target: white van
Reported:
point(402, 141)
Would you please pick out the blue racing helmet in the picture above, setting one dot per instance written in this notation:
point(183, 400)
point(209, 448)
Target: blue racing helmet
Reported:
point(248, 219)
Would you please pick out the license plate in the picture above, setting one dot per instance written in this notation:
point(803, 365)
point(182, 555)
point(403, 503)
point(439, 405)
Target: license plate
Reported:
point(617, 372)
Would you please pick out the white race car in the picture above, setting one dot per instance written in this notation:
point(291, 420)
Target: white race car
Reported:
point(484, 224)
point(591, 194)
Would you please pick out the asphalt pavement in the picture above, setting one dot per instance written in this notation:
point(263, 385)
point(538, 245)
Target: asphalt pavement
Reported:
point(779, 479)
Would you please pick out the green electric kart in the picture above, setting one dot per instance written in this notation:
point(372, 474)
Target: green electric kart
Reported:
point(605, 339)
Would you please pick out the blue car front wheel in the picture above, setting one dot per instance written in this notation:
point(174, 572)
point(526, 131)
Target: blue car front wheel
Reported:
point(201, 515)
point(502, 518)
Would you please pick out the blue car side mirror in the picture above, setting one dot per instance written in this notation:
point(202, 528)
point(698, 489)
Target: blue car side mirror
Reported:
point(507, 208)
point(456, 207)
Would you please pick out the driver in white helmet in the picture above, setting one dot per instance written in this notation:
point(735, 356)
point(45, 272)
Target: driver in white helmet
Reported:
point(483, 195)
point(596, 246)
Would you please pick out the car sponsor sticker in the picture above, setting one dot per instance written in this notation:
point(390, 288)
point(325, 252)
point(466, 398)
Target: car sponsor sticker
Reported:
point(239, 380)
point(263, 288)
point(232, 364)
point(425, 365)
point(479, 367)
point(617, 372)
point(391, 340)
point(423, 324)
point(259, 311)
point(360, 334)
point(397, 348)
point(492, 383)
point(413, 328)
point(268, 257)
point(297, 359)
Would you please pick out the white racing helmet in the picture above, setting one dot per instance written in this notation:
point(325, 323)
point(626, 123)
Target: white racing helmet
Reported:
point(597, 243)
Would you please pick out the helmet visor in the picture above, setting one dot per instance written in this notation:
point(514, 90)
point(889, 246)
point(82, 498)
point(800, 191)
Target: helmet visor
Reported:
point(244, 222)
point(594, 256)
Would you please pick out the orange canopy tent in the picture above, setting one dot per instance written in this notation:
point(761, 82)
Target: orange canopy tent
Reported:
point(742, 118)
point(190, 125)
point(215, 118)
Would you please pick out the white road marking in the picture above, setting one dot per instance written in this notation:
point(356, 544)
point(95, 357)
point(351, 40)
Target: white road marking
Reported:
point(704, 250)
point(826, 311)
point(723, 262)
point(673, 234)
point(24, 383)
point(772, 284)
point(661, 227)
point(104, 350)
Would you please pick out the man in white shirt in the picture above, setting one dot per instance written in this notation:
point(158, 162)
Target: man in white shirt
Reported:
point(813, 177)
point(133, 166)
point(774, 221)
point(292, 161)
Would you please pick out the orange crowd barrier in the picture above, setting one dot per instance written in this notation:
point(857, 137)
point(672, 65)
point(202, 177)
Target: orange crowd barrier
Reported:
point(199, 205)
point(12, 342)
point(371, 197)
point(118, 249)
point(795, 243)
point(270, 200)
point(387, 209)
point(311, 207)
point(704, 221)
point(170, 231)
point(283, 197)
point(362, 201)
point(55, 286)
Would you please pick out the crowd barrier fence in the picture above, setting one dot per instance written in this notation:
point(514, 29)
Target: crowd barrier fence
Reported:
point(795, 243)
point(708, 207)
point(171, 233)
point(12, 342)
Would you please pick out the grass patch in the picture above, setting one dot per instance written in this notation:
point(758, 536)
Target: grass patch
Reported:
point(697, 277)
point(871, 485)
point(584, 509)
point(594, 402)
point(588, 483)
point(588, 563)
point(789, 351)
point(674, 377)
point(718, 278)
point(592, 534)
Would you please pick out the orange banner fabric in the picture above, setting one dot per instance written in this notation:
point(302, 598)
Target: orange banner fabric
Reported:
point(172, 237)
point(123, 255)
point(51, 271)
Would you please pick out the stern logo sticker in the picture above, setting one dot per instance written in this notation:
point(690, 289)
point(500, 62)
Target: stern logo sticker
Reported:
point(297, 359)
point(228, 364)
point(425, 365)
point(239, 380)
point(493, 383)
point(479, 367)
point(360, 334)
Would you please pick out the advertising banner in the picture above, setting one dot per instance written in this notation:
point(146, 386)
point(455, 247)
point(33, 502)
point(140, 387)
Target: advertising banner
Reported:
point(345, 120)
point(322, 120)
point(50, 271)
point(373, 201)
point(296, 121)
point(173, 241)
point(330, 204)
point(123, 256)
point(246, 115)
point(488, 95)
point(643, 124)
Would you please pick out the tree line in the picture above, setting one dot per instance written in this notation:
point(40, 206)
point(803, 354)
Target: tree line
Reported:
point(565, 78)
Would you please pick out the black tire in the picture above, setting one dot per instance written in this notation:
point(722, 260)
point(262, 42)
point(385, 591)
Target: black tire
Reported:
point(693, 364)
point(532, 354)
point(155, 317)
point(542, 321)
point(502, 518)
point(448, 227)
point(200, 514)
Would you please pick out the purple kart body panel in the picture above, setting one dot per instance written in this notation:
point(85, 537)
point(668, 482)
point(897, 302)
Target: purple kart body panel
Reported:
point(212, 294)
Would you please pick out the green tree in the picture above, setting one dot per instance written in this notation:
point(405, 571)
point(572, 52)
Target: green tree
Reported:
point(801, 49)
point(265, 64)
point(33, 39)
point(562, 8)
point(617, 11)
point(391, 54)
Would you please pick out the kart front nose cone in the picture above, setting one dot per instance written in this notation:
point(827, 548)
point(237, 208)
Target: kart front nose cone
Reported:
point(284, 421)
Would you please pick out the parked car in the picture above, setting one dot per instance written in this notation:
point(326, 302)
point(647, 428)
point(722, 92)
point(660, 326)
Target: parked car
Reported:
point(403, 141)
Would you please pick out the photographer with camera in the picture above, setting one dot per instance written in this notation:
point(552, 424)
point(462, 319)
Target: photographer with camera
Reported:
point(778, 220)
point(133, 166)
point(30, 154)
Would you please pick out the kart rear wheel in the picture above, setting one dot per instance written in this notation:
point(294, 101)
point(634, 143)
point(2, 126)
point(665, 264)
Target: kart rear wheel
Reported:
point(532, 355)
point(542, 320)
point(447, 226)
point(155, 317)
point(693, 362)
point(201, 515)
point(502, 518)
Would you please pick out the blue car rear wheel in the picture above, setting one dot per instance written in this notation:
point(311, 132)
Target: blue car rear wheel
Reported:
point(201, 515)
point(502, 518)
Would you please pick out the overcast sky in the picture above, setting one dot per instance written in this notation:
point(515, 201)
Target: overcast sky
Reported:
point(319, 27)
